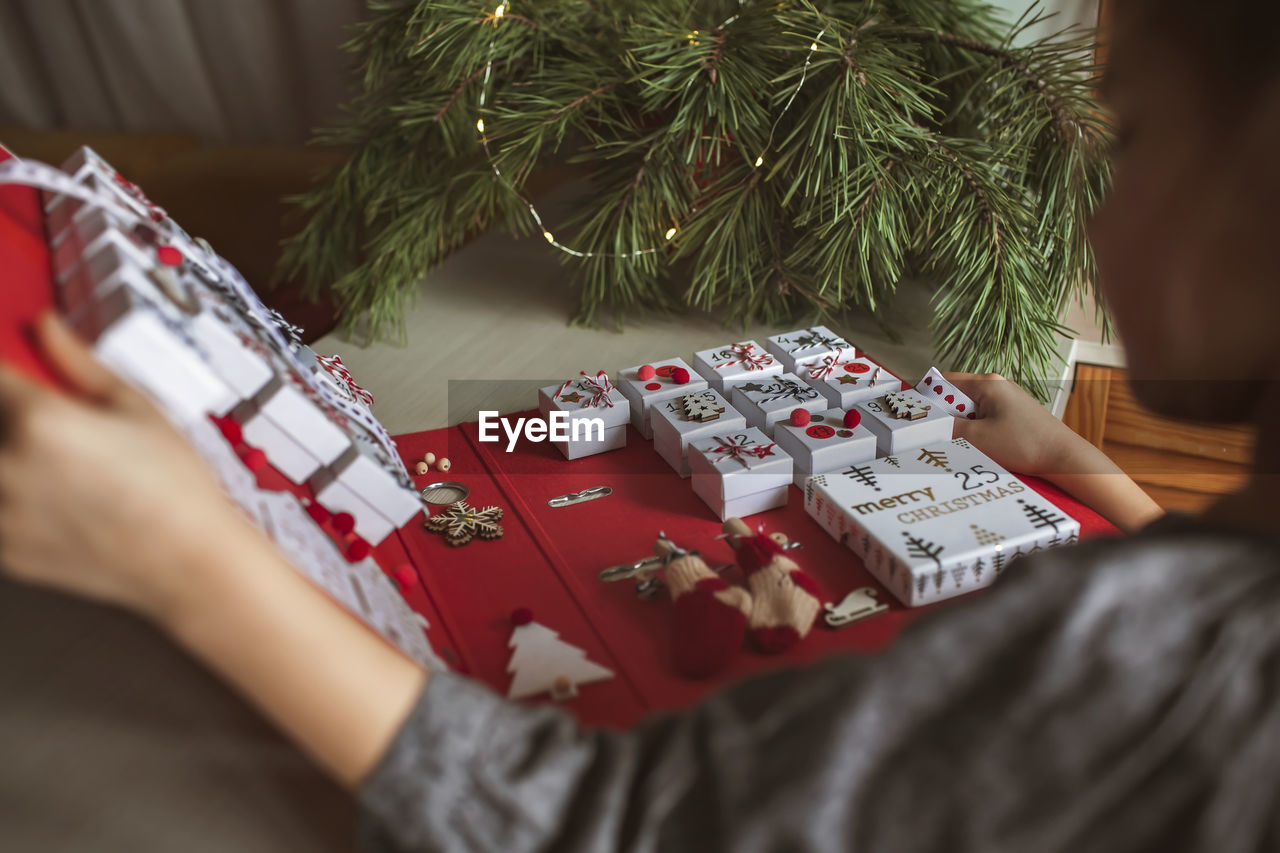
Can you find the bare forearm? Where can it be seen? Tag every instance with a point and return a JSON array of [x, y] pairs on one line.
[[1089, 475], [338, 690]]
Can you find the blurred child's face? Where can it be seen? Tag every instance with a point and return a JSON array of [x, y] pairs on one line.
[[1186, 242]]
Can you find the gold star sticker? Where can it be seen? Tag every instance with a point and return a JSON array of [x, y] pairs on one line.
[[571, 398], [847, 380]]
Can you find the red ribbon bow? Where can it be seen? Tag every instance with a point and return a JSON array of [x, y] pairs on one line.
[[740, 450], [827, 365], [598, 389], [748, 360], [335, 368]]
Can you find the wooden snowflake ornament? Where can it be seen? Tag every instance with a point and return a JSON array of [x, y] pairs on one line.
[[461, 523]]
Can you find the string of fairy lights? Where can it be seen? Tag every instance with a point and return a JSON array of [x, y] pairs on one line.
[[496, 19]]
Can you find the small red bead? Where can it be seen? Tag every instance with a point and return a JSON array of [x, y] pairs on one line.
[[318, 513], [358, 550], [344, 522], [169, 256], [680, 376], [521, 616], [852, 418], [646, 372], [405, 576], [254, 459], [231, 431], [800, 417]]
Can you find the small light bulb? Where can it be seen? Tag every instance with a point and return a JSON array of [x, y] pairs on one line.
[[549, 236], [671, 232], [500, 11], [480, 125], [813, 46], [759, 161]]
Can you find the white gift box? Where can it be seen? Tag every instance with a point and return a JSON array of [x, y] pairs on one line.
[[673, 429], [824, 444], [739, 473], [297, 437], [89, 234], [643, 393], [846, 380], [937, 521], [894, 434], [805, 345], [766, 401], [723, 367], [583, 400], [114, 267], [152, 353], [357, 484]]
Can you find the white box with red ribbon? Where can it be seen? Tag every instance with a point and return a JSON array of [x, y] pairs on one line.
[[740, 473], [726, 366], [697, 414], [845, 379], [595, 414]]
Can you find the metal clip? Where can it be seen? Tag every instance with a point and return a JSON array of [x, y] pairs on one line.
[[580, 497]]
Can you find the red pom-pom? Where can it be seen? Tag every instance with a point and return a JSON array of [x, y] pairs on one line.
[[318, 513], [231, 431], [646, 372], [405, 576], [852, 418], [169, 256], [680, 376], [254, 459], [344, 523], [358, 550], [521, 616], [800, 417]]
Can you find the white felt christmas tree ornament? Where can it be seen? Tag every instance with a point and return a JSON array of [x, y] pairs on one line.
[[543, 663]]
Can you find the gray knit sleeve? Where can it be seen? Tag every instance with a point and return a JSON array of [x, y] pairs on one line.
[[1095, 699]]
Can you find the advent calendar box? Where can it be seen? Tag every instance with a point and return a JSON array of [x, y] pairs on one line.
[[803, 346], [739, 473], [901, 420], [664, 384], [582, 400], [357, 483], [846, 379], [726, 366], [937, 521], [824, 444], [764, 402], [698, 414]]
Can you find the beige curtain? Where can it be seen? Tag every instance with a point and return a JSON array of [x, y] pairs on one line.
[[241, 71]]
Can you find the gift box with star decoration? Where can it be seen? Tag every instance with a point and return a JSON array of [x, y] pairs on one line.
[[935, 522], [803, 346], [764, 402], [597, 413], [739, 473], [901, 420], [845, 379], [825, 441], [697, 414]]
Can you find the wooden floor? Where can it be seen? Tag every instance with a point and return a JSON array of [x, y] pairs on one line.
[[1182, 466]]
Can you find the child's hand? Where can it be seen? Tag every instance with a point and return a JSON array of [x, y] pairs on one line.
[[1014, 429], [99, 495]]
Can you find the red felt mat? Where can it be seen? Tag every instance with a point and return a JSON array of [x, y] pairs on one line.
[[549, 560], [26, 276]]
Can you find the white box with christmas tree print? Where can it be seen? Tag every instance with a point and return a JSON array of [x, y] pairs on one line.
[[726, 366], [937, 521], [739, 473], [643, 393], [585, 398], [824, 444], [896, 429], [764, 402], [846, 379], [697, 414], [803, 346]]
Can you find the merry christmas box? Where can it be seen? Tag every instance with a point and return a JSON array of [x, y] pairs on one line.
[[937, 521], [764, 402], [846, 379], [802, 346], [726, 366], [901, 420], [596, 414], [663, 385], [824, 444], [698, 414], [739, 473]]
